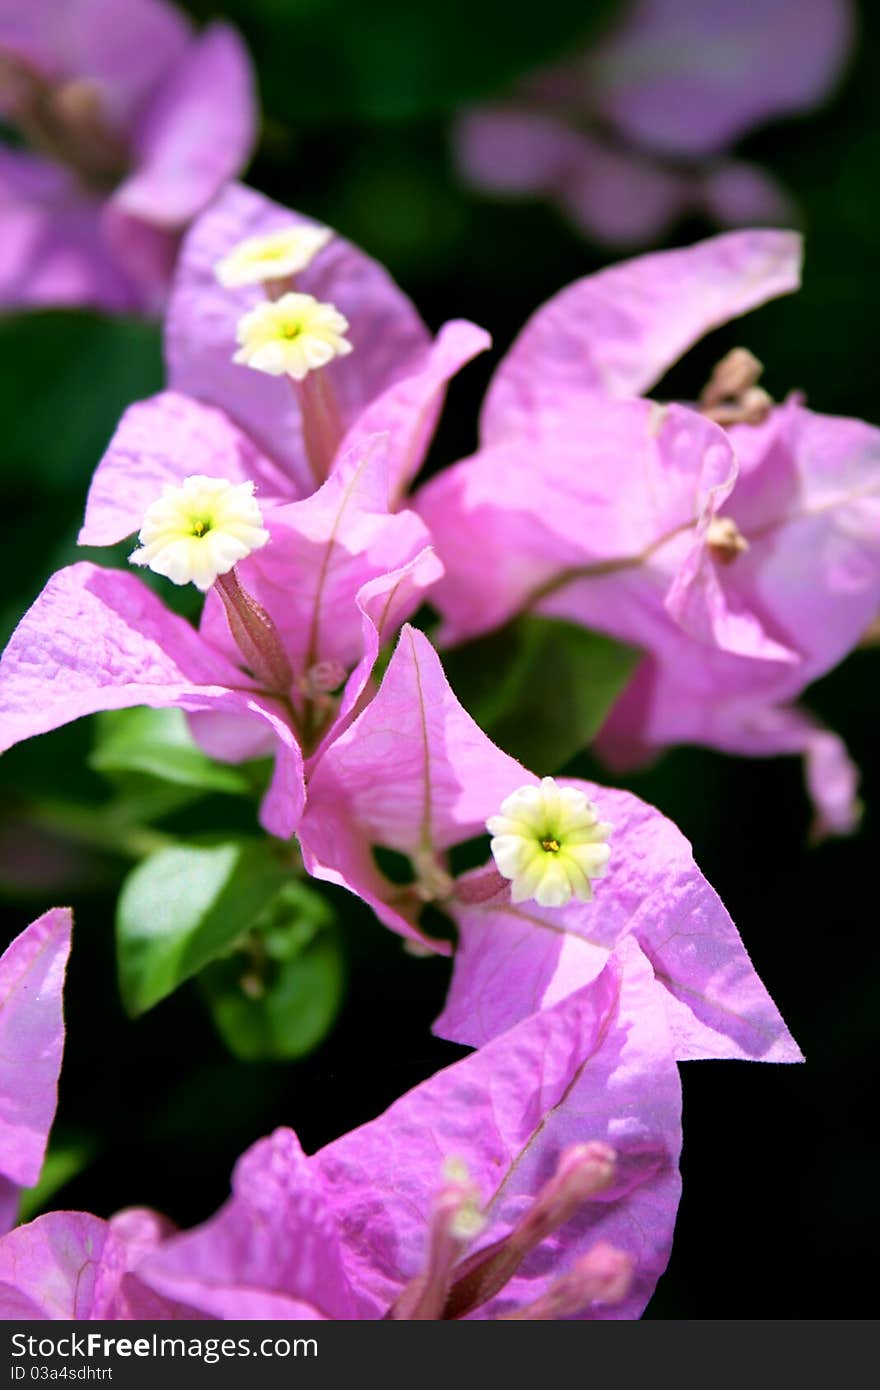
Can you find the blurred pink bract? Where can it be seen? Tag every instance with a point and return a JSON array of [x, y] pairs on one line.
[[635, 132]]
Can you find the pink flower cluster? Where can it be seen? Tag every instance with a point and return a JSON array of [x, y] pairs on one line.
[[131, 123], [636, 131], [734, 541]]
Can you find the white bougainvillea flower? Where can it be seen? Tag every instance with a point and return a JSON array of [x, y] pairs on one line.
[[216, 417], [198, 531], [273, 256], [551, 844], [291, 336]]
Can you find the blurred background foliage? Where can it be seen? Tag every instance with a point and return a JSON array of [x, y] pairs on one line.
[[780, 1210]]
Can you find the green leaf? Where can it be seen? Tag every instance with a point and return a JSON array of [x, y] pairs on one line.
[[540, 687], [393, 61], [67, 377], [185, 905], [277, 997], [65, 1160], [157, 742]]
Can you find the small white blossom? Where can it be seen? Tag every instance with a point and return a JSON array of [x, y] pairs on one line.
[[549, 841], [272, 257], [291, 336], [199, 530]]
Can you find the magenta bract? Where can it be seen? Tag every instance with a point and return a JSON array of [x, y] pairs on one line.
[[744, 561], [633, 134], [392, 381], [144, 121], [341, 1234], [415, 774], [31, 1043]]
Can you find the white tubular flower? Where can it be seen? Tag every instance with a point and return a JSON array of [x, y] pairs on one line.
[[550, 843], [291, 336], [271, 257], [198, 531]]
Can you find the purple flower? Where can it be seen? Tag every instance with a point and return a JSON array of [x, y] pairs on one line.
[[633, 134], [69, 1265], [537, 1178], [531, 1179], [391, 380], [222, 418], [31, 1043], [415, 774], [307, 612], [332, 578], [135, 122], [736, 542]]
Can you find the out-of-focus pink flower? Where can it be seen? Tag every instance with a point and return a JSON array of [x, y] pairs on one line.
[[134, 122], [633, 134], [736, 542], [416, 775], [536, 1178], [31, 1043]]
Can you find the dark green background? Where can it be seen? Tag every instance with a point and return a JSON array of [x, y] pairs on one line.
[[780, 1211]]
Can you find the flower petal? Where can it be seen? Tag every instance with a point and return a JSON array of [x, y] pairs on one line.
[[386, 331], [523, 523], [513, 960], [414, 771], [597, 1066], [196, 133], [137, 654], [54, 250], [126, 47], [688, 78], [31, 1042], [408, 410], [161, 441], [70, 1265], [272, 1251], [324, 550], [618, 331]]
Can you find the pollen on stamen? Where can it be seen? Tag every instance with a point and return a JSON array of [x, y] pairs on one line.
[[725, 539], [549, 842], [291, 336], [195, 532], [467, 1218], [276, 256], [455, 1169]]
